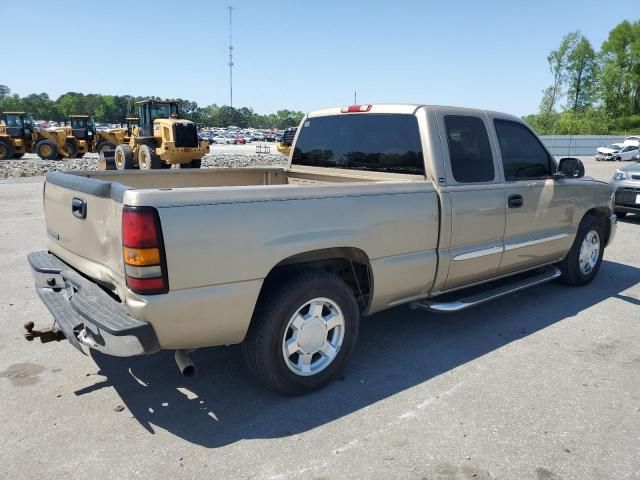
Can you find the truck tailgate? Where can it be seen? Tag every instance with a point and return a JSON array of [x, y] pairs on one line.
[[83, 227]]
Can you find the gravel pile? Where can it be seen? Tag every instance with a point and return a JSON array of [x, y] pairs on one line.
[[32, 166]]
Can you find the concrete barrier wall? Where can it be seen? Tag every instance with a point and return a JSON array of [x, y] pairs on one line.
[[579, 145]]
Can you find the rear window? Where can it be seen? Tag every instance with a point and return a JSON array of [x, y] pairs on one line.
[[376, 142]]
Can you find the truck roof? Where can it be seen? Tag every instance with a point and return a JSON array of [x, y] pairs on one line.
[[397, 108], [14, 113], [78, 116]]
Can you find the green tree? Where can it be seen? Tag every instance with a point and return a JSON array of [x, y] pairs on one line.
[[621, 51], [581, 74], [4, 92], [558, 60]]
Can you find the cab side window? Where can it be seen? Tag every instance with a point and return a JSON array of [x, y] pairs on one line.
[[469, 149], [523, 156]]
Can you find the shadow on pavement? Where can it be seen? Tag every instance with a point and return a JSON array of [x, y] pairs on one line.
[[397, 350]]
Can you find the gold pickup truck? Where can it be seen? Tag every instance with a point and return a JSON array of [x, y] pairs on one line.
[[440, 208]]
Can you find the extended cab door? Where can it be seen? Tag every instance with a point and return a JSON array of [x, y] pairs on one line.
[[476, 193], [540, 210]]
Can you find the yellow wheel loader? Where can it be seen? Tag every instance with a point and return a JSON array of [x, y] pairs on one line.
[[19, 135], [284, 145], [161, 139], [83, 137]]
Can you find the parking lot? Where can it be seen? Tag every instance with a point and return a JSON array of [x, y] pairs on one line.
[[542, 385]]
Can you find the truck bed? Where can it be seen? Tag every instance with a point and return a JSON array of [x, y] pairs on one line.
[[233, 177], [221, 219]]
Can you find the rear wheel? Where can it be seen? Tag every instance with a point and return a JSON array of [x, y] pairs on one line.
[[123, 157], [302, 332], [47, 150], [6, 150], [621, 214], [148, 159], [105, 147], [583, 261]]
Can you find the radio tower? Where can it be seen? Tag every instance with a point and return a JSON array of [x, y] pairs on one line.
[[230, 56]]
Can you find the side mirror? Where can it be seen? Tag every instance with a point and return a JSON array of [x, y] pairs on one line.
[[570, 168]]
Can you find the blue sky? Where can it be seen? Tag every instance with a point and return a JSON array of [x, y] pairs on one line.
[[297, 54]]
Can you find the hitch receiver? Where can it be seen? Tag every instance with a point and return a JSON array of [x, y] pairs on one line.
[[46, 335]]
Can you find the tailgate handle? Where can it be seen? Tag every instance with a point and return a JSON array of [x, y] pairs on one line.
[[79, 208]]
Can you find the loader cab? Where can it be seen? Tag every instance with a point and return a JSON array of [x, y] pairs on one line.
[[150, 110], [132, 122], [19, 124], [82, 126]]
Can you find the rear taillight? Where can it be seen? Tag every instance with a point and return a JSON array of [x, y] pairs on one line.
[[356, 109], [145, 265]]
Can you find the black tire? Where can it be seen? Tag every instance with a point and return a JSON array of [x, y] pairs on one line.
[[621, 214], [105, 146], [70, 149], [263, 348], [197, 163], [123, 157], [6, 150], [47, 150], [572, 274], [148, 159]]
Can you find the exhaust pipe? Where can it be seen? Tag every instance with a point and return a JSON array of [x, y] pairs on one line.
[[185, 364]]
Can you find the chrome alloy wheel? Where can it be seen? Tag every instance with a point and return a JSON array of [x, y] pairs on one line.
[[313, 337], [589, 252]]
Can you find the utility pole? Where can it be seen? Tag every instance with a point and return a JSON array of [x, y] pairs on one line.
[[355, 97], [230, 56]]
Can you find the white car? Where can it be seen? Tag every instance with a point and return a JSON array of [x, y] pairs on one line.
[[221, 139], [617, 151], [632, 140]]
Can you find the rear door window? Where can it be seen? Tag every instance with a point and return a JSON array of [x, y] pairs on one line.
[[375, 142], [469, 149], [523, 156]]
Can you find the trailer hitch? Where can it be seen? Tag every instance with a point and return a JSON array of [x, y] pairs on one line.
[[46, 335]]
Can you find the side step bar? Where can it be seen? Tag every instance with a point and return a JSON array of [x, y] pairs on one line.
[[546, 275]]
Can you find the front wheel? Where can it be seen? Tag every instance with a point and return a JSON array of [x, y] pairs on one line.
[[47, 150], [70, 149], [148, 159], [583, 261], [302, 332]]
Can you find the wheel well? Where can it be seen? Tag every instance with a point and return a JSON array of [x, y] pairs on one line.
[[602, 214], [350, 264]]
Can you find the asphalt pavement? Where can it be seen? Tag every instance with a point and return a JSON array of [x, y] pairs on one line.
[[542, 385]]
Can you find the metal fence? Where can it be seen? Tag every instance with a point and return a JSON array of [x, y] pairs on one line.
[[578, 145]]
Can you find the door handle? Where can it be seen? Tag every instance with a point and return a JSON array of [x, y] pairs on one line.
[[515, 201], [79, 208]]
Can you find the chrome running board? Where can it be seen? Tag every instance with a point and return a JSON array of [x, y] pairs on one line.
[[545, 275]]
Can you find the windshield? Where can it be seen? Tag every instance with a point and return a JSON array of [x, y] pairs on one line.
[[14, 121], [78, 123], [163, 110], [376, 142]]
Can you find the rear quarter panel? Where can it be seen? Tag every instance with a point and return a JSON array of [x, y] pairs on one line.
[[231, 237]]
